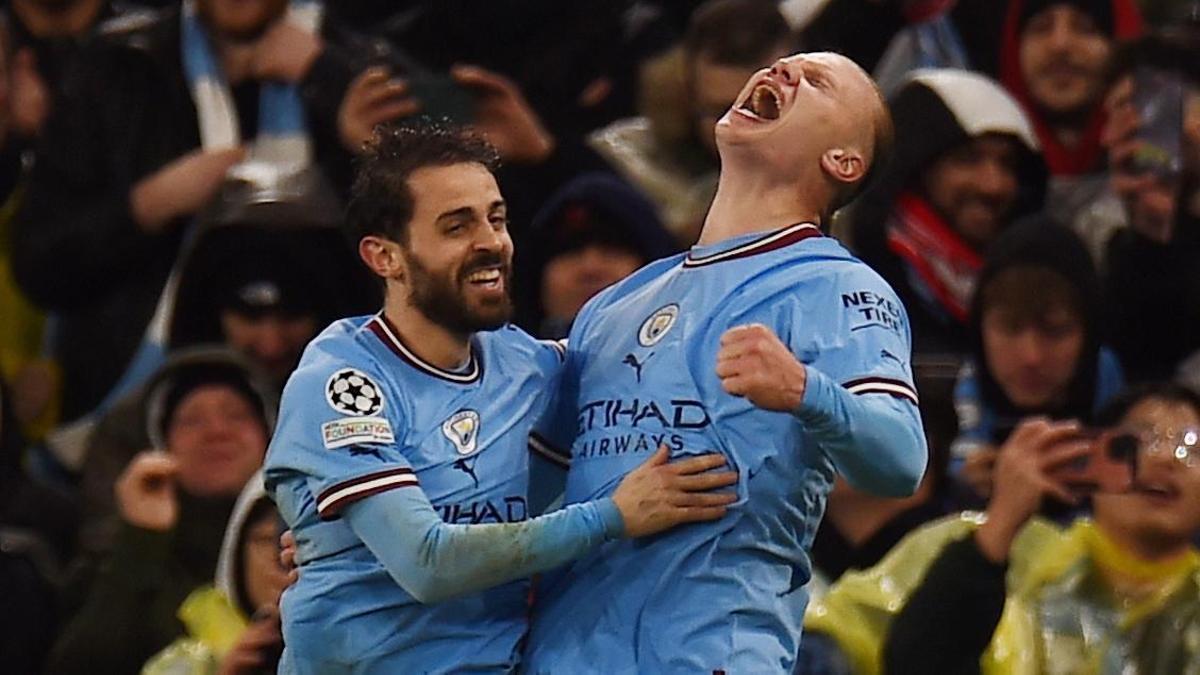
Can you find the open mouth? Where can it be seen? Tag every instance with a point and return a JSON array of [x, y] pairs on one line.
[[763, 102], [488, 278]]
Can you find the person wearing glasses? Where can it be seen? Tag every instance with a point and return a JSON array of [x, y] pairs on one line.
[[1009, 592]]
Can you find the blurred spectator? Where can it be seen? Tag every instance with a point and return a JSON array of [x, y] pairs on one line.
[[45, 37], [1121, 593], [1152, 282], [1011, 593], [1054, 57], [37, 525], [670, 153], [965, 166], [233, 625], [592, 233], [860, 528], [22, 362], [125, 431], [209, 422], [1035, 321], [150, 124]]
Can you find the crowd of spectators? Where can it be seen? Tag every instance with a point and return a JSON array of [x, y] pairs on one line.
[[172, 180]]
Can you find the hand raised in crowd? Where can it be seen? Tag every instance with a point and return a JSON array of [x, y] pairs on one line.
[[374, 97], [1025, 472], [285, 53], [977, 470], [146, 492], [753, 363], [504, 116], [182, 187], [1152, 200], [659, 495], [29, 96], [257, 647]]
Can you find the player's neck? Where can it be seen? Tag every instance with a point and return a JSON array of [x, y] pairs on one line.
[[430, 341], [749, 202]]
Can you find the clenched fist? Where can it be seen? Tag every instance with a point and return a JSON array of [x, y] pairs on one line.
[[753, 363], [145, 492]]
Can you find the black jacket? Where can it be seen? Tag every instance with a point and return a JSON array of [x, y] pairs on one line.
[[125, 112]]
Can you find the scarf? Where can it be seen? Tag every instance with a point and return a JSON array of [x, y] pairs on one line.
[[941, 266]]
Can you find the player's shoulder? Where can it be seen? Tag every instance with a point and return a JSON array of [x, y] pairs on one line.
[[514, 345], [339, 351], [827, 260], [629, 285]]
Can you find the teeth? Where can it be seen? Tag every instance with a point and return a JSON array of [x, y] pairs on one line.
[[764, 102], [483, 276]]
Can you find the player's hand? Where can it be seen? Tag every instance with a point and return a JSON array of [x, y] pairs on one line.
[[257, 647], [374, 97], [1024, 474], [753, 363], [145, 492], [504, 116], [977, 470], [182, 187], [287, 556], [659, 495]]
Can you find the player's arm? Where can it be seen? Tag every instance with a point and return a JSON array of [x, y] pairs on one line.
[[433, 560], [873, 437]]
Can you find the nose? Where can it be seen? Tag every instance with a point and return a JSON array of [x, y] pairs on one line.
[[1029, 349], [994, 180], [1060, 33], [786, 71], [489, 239], [270, 343]]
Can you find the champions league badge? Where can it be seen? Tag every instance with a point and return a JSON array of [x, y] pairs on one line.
[[463, 431], [351, 392], [654, 328]]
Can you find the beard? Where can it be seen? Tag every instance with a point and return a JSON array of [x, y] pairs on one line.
[[443, 298]]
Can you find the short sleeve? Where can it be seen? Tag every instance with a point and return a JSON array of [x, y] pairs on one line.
[[858, 334], [337, 432]]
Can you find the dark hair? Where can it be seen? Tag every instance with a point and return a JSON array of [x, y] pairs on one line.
[[262, 509], [736, 32], [381, 202], [1166, 391]]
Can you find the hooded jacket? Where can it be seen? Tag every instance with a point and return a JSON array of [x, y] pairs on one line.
[[214, 615], [594, 207], [142, 576], [934, 112], [986, 415]]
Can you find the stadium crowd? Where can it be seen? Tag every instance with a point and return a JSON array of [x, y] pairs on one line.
[[172, 180]]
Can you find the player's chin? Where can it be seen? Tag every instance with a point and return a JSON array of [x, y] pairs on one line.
[[491, 315]]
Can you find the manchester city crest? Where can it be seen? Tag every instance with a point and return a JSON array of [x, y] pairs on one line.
[[462, 428], [656, 326]]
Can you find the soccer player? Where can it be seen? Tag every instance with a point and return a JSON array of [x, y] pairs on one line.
[[400, 460], [812, 378]]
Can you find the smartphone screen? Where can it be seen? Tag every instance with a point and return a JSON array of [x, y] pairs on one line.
[[1158, 97], [1109, 467]]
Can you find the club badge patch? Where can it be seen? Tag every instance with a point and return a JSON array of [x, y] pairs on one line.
[[463, 431], [351, 392], [355, 431], [656, 326]]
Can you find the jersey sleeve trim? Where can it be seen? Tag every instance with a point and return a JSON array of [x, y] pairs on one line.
[[335, 498], [545, 449], [882, 385]]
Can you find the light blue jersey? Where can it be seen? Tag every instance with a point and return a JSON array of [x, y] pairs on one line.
[[362, 416], [727, 595]]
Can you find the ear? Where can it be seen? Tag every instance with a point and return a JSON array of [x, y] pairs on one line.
[[844, 165], [383, 257]]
